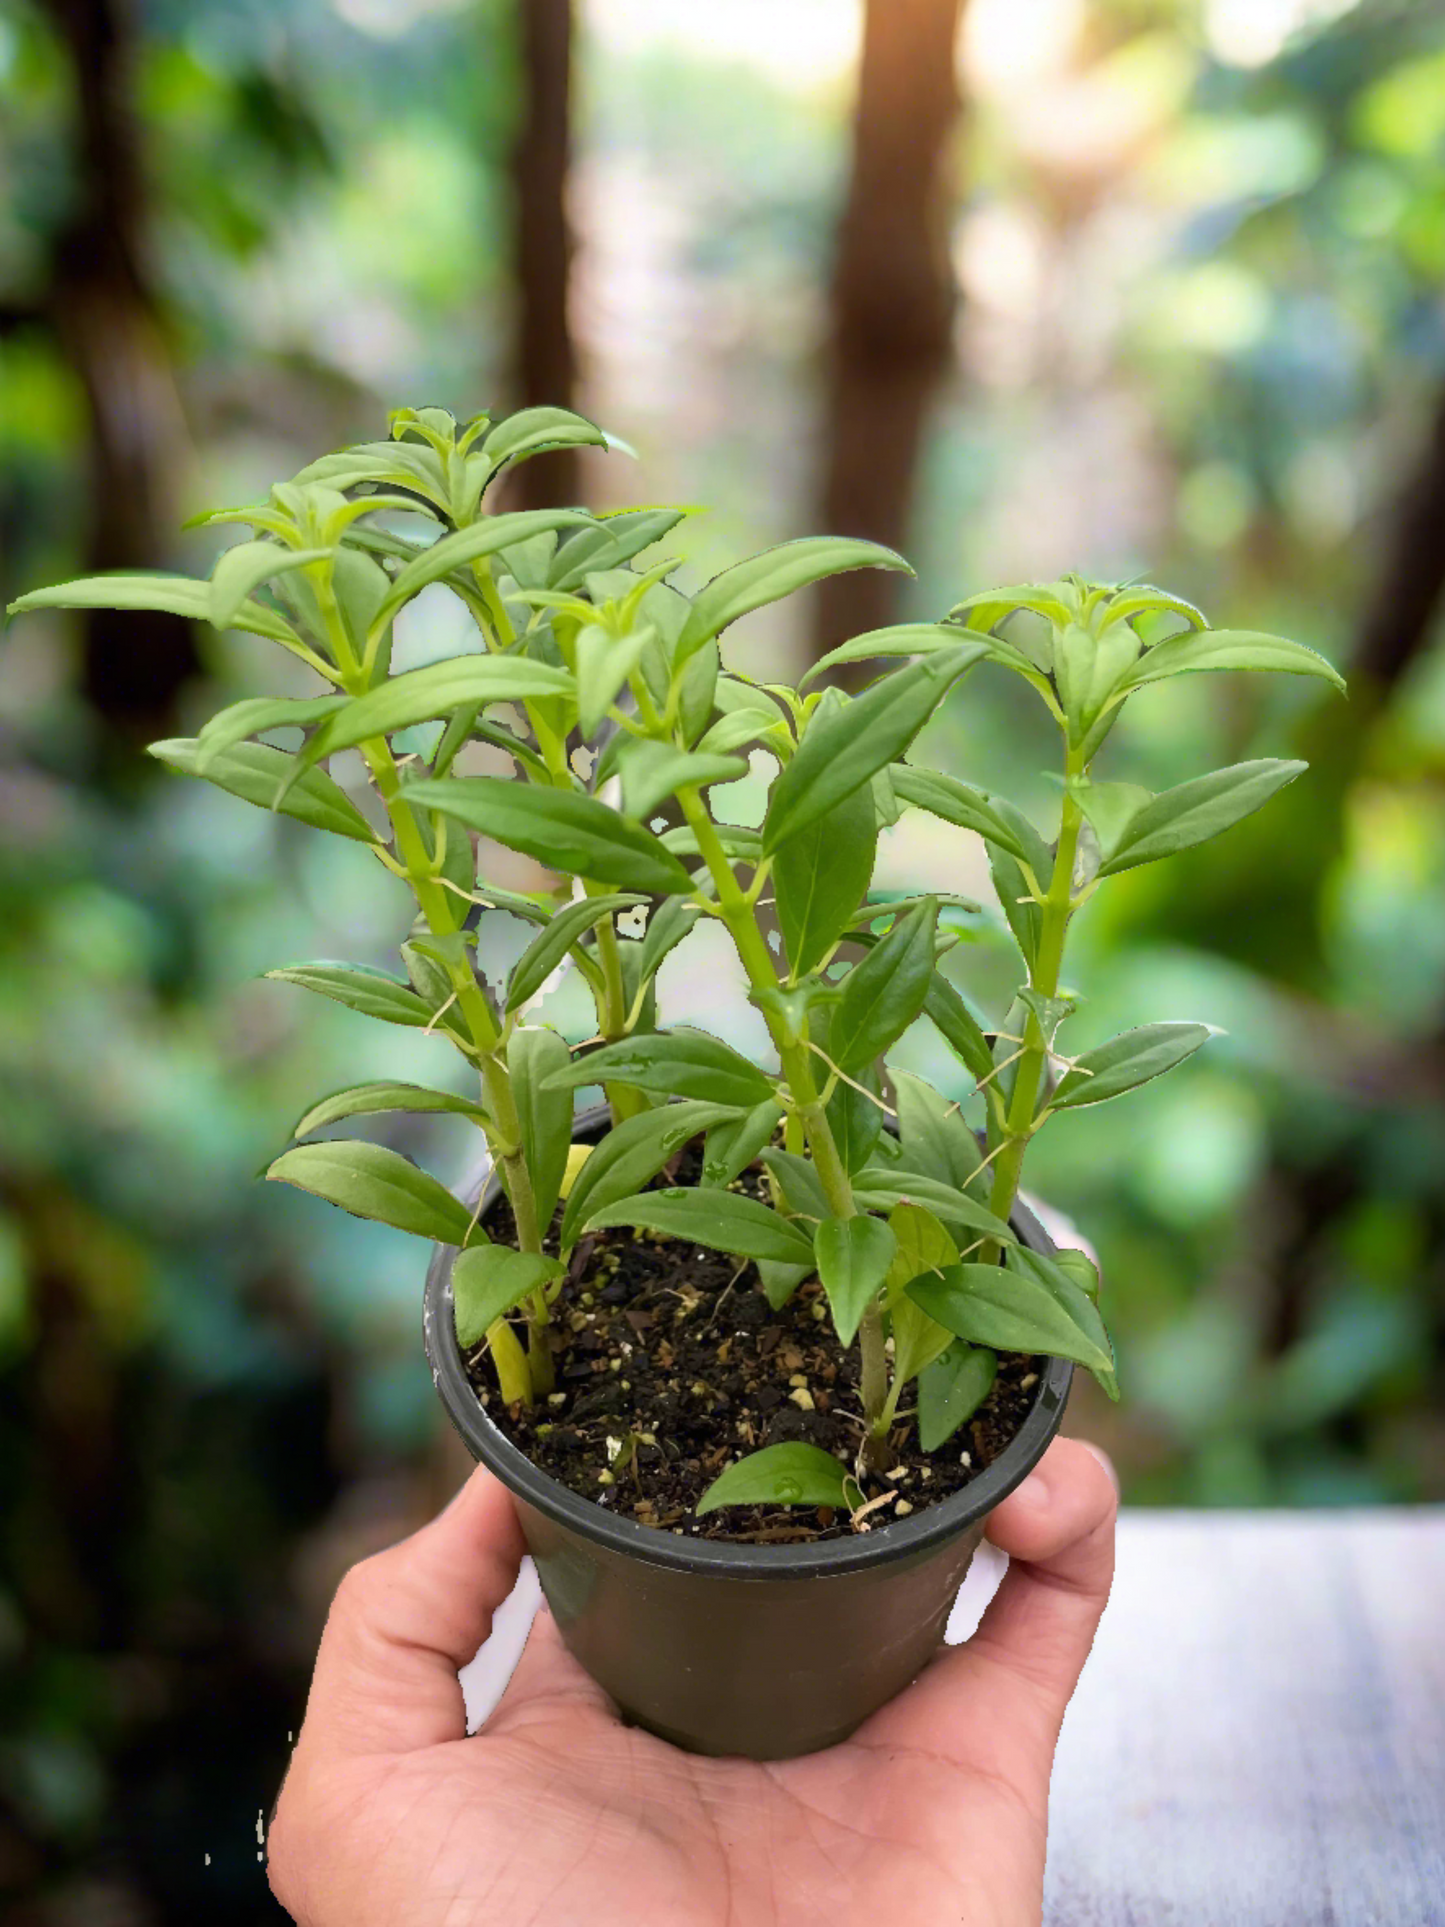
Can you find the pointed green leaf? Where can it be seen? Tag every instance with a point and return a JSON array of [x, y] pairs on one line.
[[776, 573], [840, 754], [371, 992], [856, 1120], [256, 773], [917, 1339], [958, 1027], [923, 1245], [936, 1140], [175, 595], [1195, 811], [1228, 649], [678, 1063], [954, 802], [613, 540], [257, 713], [561, 828], [568, 927], [653, 771], [241, 570], [424, 695], [534, 1056], [799, 1184], [1018, 903], [1127, 1061], [490, 1280], [881, 1190], [364, 1100], [739, 728], [372, 1182], [721, 1220], [1110, 808], [781, 1281], [469, 545], [632, 1153], [532, 429], [885, 992], [904, 639], [669, 923], [793, 1473], [733, 1144], [951, 1391], [1012, 1311], [853, 1256], [821, 876]]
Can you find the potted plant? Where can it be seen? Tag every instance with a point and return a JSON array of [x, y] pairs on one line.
[[756, 1346]]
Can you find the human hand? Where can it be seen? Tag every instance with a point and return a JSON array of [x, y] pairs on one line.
[[556, 1813]]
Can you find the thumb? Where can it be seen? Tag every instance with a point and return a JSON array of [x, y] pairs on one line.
[[404, 1622]]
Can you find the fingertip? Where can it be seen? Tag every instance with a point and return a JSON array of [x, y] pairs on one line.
[[1070, 1493]]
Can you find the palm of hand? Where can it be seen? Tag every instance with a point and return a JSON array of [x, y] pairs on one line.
[[556, 1813]]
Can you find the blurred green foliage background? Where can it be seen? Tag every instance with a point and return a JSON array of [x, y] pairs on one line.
[[1187, 265]]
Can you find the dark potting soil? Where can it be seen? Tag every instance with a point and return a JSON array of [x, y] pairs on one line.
[[671, 1363]]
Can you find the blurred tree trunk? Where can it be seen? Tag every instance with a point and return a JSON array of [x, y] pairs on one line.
[[106, 320], [892, 295], [544, 357], [1410, 586]]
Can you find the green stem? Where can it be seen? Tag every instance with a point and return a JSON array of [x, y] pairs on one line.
[[797, 1067], [1019, 1118]]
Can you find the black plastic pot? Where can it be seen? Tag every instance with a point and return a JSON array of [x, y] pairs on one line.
[[764, 1651]]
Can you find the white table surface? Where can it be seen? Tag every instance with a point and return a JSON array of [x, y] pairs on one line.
[[1259, 1737]]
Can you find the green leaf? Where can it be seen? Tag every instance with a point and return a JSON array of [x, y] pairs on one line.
[[954, 802], [781, 1281], [839, 754], [917, 1340], [679, 1063], [853, 1256], [604, 662], [885, 992], [632, 1153], [1126, 1061], [1012, 1311], [256, 713], [568, 927], [923, 1245], [532, 429], [1081, 1268], [821, 876], [776, 573], [1025, 917], [560, 828], [951, 1391], [240, 570], [1228, 649], [881, 1190], [958, 1027], [363, 1100], [936, 1140], [696, 687], [174, 595], [490, 1280], [904, 639], [653, 771], [1110, 808], [740, 727], [534, 1056], [1195, 811], [469, 545], [255, 773], [372, 1182], [855, 1121], [669, 923], [424, 695], [614, 540], [371, 992], [793, 1473], [721, 1220], [798, 1181], [733, 1144]]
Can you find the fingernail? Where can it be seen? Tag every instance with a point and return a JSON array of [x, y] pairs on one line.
[[1102, 1456]]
